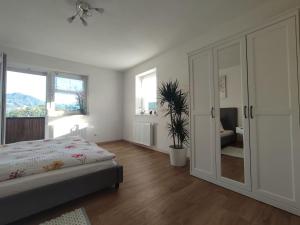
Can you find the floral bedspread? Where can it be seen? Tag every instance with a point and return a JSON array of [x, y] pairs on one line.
[[33, 157]]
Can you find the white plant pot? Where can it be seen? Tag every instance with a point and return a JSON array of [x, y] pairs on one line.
[[178, 157]]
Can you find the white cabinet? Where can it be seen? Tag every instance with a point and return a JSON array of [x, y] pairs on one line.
[[203, 124], [232, 112], [274, 102], [267, 113]]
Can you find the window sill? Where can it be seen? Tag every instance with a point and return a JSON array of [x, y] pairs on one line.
[[63, 113]]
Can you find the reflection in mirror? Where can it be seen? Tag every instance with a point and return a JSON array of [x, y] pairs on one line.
[[231, 113]]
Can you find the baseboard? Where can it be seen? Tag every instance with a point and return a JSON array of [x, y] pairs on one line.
[[109, 142], [147, 147], [154, 148], [132, 143]]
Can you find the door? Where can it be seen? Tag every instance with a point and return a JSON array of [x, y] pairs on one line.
[[202, 115], [25, 106], [2, 96], [274, 112], [232, 122]]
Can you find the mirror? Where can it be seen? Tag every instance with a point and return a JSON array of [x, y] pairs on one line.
[[231, 113]]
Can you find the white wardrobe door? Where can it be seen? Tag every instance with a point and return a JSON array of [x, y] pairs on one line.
[[273, 86], [225, 55], [202, 121]]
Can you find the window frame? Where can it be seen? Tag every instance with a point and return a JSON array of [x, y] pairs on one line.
[[51, 89], [139, 105], [83, 78], [30, 72]]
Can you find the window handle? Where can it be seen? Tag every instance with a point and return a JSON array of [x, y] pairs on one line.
[[212, 112], [251, 112], [245, 112]]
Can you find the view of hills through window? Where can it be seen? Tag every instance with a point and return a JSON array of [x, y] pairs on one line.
[[25, 95]]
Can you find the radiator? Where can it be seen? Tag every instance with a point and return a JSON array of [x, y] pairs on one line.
[[143, 133]]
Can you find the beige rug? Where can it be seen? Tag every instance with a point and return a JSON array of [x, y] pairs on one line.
[[76, 217], [233, 151]]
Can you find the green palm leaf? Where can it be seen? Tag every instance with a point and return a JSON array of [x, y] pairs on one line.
[[175, 104]]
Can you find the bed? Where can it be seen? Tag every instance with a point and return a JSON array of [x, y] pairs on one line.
[[229, 122], [38, 175]]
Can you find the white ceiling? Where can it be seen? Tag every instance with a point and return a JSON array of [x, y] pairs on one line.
[[129, 31]]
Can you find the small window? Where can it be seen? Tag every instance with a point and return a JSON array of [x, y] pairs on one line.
[[70, 94], [146, 92]]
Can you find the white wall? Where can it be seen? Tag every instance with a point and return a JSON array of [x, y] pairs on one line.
[[105, 105], [173, 64]]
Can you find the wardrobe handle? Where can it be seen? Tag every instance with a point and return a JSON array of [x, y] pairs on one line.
[[245, 112], [251, 112], [212, 112]]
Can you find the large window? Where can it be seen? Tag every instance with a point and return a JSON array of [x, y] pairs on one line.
[[146, 92], [31, 94], [70, 93], [25, 94]]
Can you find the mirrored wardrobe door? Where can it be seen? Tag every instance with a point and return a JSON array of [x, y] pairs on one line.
[[232, 123]]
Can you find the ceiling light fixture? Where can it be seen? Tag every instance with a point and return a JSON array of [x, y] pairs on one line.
[[83, 11]]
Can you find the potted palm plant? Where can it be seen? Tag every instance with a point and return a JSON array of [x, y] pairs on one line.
[[174, 102]]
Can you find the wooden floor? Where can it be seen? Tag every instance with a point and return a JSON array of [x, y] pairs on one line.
[[232, 168], [155, 193]]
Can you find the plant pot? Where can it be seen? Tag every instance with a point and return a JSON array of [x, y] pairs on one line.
[[178, 156]]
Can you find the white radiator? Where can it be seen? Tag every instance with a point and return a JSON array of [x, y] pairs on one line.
[[143, 133]]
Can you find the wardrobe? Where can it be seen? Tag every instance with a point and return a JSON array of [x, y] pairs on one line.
[[244, 117]]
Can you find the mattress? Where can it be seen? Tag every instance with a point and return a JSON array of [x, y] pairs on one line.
[[27, 158], [226, 133], [11, 187]]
